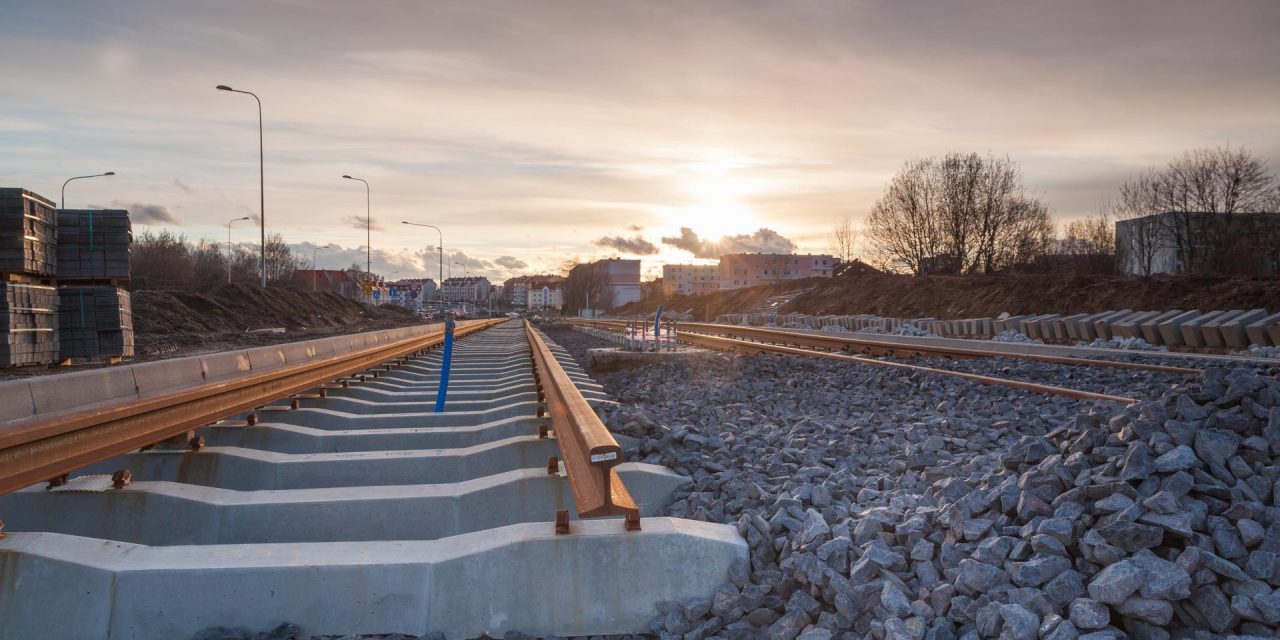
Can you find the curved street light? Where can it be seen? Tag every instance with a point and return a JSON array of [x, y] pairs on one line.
[[315, 269], [440, 247], [262, 190], [63, 203], [229, 244], [368, 230]]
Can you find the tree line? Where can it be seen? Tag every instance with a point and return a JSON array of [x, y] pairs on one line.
[[965, 213], [167, 260]]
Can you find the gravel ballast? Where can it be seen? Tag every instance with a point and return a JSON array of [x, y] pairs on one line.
[[900, 505]]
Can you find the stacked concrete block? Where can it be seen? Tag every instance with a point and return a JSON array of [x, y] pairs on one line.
[[1234, 332], [95, 322], [1044, 326], [93, 245], [1102, 324], [1193, 332], [1130, 327], [1258, 331], [1171, 329], [28, 324], [1085, 327], [28, 234], [1210, 335], [1150, 327]]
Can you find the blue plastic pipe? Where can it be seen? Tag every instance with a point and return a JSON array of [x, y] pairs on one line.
[[443, 389]]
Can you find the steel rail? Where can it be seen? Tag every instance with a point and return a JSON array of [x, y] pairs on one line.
[[734, 344], [872, 346], [808, 339], [589, 451], [42, 448]]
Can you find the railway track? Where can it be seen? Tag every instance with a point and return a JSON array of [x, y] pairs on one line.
[[316, 485], [872, 351]]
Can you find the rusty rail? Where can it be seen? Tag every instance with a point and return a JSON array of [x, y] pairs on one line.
[[589, 452], [42, 448], [873, 346], [877, 347], [734, 344]]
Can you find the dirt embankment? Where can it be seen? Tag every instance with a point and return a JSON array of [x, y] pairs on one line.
[[978, 296], [169, 323], [243, 308]]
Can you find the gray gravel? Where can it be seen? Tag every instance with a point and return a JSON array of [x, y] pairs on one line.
[[885, 504]]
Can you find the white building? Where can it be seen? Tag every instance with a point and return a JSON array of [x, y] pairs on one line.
[[690, 279], [548, 296], [1178, 242], [473, 289], [623, 278], [741, 270]]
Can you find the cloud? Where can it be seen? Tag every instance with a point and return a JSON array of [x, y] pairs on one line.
[[147, 213], [360, 222], [465, 261], [635, 246], [761, 241], [510, 262], [635, 227], [182, 186]]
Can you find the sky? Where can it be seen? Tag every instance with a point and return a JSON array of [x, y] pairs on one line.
[[536, 132]]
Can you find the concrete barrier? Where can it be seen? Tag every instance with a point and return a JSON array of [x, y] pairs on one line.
[[1130, 327], [1151, 326], [1257, 331], [1232, 332], [81, 390], [1192, 334], [1102, 325], [1211, 332], [1171, 329]]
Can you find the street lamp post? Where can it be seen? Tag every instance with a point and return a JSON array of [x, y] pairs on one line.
[[440, 247], [64, 185], [229, 244], [315, 268], [262, 189], [368, 229]]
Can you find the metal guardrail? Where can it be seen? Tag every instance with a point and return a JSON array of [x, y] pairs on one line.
[[45, 448], [589, 452]]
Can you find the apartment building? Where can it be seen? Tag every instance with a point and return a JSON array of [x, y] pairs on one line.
[[741, 270], [690, 279]]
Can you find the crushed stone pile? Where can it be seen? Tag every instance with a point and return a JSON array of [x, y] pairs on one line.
[[901, 506]]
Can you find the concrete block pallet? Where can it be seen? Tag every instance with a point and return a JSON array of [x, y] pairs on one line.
[[93, 245], [94, 322], [28, 233], [28, 324]]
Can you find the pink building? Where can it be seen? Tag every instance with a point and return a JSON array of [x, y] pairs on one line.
[[741, 270]]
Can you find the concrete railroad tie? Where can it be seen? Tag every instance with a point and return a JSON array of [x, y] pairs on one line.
[[363, 512]]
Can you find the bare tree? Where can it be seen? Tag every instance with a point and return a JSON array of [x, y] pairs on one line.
[[1090, 243], [963, 213], [1205, 195], [281, 263], [843, 240], [586, 284], [159, 260]]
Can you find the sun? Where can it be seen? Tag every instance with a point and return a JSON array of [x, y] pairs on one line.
[[718, 196]]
